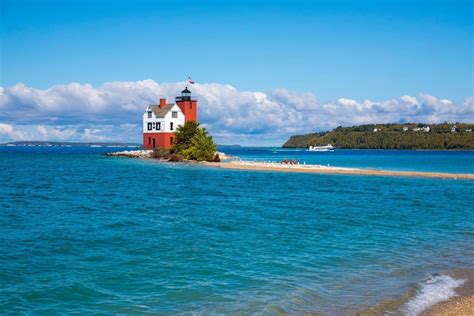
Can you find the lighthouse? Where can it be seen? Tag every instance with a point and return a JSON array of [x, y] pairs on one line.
[[160, 121], [187, 105]]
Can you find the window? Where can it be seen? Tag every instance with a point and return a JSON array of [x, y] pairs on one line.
[[171, 140], [149, 141], [149, 114], [158, 126], [171, 126], [174, 114], [149, 126], [190, 106]]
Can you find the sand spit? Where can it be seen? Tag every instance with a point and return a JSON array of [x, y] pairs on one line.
[[295, 167], [271, 166]]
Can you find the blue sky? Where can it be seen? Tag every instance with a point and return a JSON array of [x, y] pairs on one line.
[[358, 50]]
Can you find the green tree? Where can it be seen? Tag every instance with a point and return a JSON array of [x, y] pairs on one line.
[[184, 134], [202, 147]]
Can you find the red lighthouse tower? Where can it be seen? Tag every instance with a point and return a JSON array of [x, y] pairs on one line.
[[187, 105]]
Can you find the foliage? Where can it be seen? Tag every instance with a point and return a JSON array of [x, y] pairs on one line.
[[390, 136], [184, 134], [175, 158], [193, 143], [160, 153], [202, 147]]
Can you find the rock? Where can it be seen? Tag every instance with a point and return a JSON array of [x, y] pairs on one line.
[[223, 156], [131, 154]]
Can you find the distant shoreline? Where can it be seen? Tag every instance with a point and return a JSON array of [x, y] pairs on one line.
[[408, 136], [40, 143], [139, 146]]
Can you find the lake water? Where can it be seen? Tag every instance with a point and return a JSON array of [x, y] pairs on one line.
[[93, 234]]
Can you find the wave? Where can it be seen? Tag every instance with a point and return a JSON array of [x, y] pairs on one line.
[[435, 289]]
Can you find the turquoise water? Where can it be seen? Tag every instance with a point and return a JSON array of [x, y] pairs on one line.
[[92, 234]]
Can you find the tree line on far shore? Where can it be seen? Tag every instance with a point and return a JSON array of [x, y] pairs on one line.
[[192, 143], [391, 136]]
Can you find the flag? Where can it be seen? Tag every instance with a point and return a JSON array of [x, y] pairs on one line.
[[190, 80]]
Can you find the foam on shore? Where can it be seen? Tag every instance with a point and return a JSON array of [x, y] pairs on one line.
[[435, 289]]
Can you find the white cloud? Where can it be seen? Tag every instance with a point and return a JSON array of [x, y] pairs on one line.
[[113, 111], [7, 131], [58, 133]]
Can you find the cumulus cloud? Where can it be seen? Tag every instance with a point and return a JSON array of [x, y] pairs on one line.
[[113, 111], [7, 131]]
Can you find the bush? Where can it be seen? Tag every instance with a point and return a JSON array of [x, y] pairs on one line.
[[202, 147], [175, 158], [193, 143], [160, 153], [184, 134]]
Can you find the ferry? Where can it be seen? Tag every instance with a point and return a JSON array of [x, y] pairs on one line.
[[328, 147]]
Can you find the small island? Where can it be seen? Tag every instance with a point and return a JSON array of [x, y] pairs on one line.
[[192, 143], [444, 136]]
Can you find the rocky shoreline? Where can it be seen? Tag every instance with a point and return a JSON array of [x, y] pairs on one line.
[[143, 153], [131, 154]]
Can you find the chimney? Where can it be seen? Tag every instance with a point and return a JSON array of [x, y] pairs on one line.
[[162, 103]]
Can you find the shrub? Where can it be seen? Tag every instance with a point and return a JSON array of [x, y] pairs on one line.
[[160, 153], [175, 158], [184, 134], [202, 147], [193, 143]]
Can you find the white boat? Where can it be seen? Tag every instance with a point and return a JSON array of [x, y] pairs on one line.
[[328, 147]]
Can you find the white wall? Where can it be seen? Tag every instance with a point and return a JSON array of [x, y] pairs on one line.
[[165, 122]]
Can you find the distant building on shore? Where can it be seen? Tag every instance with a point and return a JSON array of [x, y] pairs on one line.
[[160, 121], [425, 129]]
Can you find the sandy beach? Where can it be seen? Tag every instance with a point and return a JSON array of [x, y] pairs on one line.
[[458, 306], [273, 166]]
